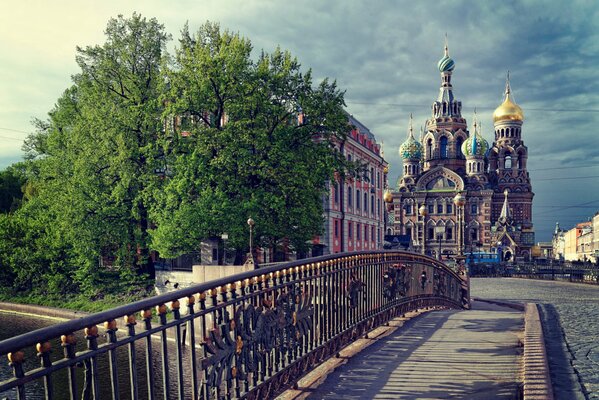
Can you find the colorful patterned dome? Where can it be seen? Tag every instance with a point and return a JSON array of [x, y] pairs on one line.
[[508, 110], [446, 64], [411, 149], [475, 145]]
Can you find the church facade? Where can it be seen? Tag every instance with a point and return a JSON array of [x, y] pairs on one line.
[[457, 194]]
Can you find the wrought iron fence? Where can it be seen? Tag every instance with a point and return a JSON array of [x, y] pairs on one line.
[[246, 336]]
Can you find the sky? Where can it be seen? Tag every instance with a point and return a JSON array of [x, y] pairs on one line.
[[383, 53]]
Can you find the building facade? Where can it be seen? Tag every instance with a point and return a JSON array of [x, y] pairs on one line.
[[354, 209], [458, 194]]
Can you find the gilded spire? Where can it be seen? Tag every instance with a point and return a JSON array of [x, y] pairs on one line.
[[508, 110], [446, 47], [410, 129], [505, 209]]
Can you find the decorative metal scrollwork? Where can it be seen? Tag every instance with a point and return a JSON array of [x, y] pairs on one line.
[[396, 281], [438, 283], [221, 347], [355, 287]]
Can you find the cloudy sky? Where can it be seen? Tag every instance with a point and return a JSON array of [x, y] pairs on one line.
[[383, 53]]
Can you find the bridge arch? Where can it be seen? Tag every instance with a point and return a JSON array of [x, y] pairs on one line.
[[252, 334]]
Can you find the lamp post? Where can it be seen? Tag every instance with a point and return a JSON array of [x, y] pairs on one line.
[[224, 237], [423, 212], [250, 258], [459, 200], [439, 232]]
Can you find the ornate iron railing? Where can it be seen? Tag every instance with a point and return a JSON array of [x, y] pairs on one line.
[[246, 336]]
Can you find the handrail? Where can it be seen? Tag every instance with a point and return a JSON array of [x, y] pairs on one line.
[[267, 325]]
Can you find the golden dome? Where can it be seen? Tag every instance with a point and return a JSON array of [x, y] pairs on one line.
[[508, 110], [387, 196]]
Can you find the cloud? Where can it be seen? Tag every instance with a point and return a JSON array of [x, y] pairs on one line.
[[383, 53]]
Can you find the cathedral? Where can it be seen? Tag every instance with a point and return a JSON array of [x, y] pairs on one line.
[[457, 194]]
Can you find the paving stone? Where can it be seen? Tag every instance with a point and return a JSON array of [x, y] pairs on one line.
[[570, 315]]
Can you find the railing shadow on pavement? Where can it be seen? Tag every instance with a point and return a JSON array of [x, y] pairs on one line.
[[250, 335], [375, 374]]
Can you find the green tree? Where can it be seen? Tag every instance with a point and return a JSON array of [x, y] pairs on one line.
[[249, 138], [97, 156], [12, 182]]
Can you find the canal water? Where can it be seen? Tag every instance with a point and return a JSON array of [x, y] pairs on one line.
[[12, 324], [570, 314]]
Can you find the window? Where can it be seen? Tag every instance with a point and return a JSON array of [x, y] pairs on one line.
[[443, 147], [409, 231], [474, 209], [365, 202], [408, 209], [449, 233], [378, 207], [431, 233], [378, 179], [336, 193], [449, 208], [474, 234], [372, 204], [350, 231], [372, 233], [349, 196], [508, 161], [357, 199], [439, 208], [429, 148], [431, 208], [366, 232]]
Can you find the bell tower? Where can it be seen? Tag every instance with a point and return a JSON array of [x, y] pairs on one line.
[[446, 130]]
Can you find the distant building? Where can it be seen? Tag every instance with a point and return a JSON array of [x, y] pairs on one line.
[[578, 243], [354, 210], [456, 190]]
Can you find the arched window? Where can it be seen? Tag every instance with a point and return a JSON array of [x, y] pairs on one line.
[[508, 161], [429, 149], [349, 196], [443, 147]]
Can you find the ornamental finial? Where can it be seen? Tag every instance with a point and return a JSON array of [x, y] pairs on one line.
[[446, 47], [410, 130], [508, 90]]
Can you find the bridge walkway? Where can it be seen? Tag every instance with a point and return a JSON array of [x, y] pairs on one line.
[[472, 354]]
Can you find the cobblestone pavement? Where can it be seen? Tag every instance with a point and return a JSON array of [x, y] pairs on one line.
[[569, 311], [446, 354]]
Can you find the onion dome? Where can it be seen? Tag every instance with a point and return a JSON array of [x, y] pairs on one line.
[[411, 148], [459, 200], [387, 196], [475, 145], [446, 64], [508, 110]]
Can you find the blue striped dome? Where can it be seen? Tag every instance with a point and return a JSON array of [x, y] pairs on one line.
[[475, 145], [446, 64], [410, 149]]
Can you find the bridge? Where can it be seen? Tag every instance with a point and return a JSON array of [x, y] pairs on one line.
[[251, 335]]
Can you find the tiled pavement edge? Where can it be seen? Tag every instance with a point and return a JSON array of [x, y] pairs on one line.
[[536, 376]]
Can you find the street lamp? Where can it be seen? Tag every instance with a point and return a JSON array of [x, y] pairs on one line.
[[439, 232], [423, 212], [251, 224], [459, 200], [224, 237]]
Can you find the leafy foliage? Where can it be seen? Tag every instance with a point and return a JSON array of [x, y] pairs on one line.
[[251, 138], [149, 153]]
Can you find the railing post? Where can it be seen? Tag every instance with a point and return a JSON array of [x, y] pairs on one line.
[[43, 352]]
